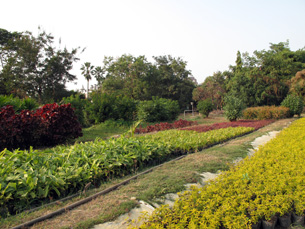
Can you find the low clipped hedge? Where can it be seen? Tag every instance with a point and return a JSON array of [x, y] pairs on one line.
[[266, 112], [267, 188]]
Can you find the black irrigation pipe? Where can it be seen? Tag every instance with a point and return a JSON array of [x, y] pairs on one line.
[[105, 191], [83, 201]]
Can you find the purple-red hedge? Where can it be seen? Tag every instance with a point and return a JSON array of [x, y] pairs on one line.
[[47, 126], [165, 126], [244, 123]]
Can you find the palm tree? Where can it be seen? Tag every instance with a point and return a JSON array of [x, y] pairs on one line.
[[87, 69]]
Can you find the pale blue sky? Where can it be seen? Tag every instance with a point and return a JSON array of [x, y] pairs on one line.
[[206, 34]]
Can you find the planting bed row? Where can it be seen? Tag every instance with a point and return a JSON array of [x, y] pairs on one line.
[[265, 190], [165, 126], [29, 177], [246, 123]]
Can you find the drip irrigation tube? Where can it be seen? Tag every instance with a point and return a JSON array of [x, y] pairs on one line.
[[87, 199]]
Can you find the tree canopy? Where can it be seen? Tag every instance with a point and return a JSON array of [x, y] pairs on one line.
[[265, 78], [33, 66], [139, 79]]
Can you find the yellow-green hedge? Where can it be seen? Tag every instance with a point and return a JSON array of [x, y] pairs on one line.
[[266, 112], [272, 182]]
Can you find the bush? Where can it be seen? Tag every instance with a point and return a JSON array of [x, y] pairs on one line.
[[266, 112], [50, 125], [81, 106], [205, 107], [60, 122], [158, 110], [105, 106], [294, 103], [18, 104], [233, 108]]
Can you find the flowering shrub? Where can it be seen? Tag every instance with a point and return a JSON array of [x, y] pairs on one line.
[[266, 186], [266, 112], [165, 126], [50, 125], [245, 123]]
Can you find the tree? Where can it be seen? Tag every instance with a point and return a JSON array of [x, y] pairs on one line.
[[264, 78], [87, 71], [99, 75], [212, 88], [139, 79], [32, 66], [297, 84], [205, 107]]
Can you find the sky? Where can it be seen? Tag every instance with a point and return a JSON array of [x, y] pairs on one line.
[[205, 33]]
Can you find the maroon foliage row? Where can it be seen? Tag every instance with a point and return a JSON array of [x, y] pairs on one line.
[[245, 123], [165, 126], [47, 126]]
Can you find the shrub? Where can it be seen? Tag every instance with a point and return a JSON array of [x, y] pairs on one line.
[[266, 112], [18, 104], [19, 130], [81, 106], [233, 108], [50, 125], [60, 122], [205, 107], [158, 110], [294, 103], [268, 185], [105, 106]]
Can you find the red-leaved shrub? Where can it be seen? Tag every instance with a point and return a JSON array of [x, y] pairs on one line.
[[50, 125], [61, 123]]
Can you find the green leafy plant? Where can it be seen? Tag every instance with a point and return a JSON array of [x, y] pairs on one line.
[[233, 107], [294, 103], [158, 110], [205, 107]]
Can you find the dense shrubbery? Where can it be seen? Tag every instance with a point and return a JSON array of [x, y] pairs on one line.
[[205, 107], [80, 105], [294, 103], [18, 104], [164, 126], [50, 125], [266, 112], [158, 110], [269, 186], [105, 106], [233, 108]]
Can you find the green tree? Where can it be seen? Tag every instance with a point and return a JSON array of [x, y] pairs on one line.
[[87, 72], [212, 88], [294, 103], [233, 108], [263, 79], [205, 107], [98, 73], [32, 66]]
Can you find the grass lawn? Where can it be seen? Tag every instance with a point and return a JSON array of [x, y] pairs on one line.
[[166, 179]]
